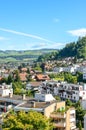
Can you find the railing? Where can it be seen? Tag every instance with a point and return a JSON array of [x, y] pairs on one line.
[[60, 124], [58, 115], [73, 125]]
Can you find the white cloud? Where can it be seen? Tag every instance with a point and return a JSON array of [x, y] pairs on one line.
[[78, 32], [25, 34], [47, 45]]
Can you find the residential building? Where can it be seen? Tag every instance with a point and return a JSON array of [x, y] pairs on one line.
[[44, 103], [23, 76], [64, 119], [42, 77], [5, 90], [74, 92]]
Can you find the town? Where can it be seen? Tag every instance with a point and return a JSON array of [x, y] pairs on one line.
[[59, 93], [42, 65]]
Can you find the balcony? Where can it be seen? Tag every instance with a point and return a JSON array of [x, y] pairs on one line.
[[73, 125], [58, 115], [60, 124]]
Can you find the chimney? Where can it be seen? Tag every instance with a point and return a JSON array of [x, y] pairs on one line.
[[10, 95], [23, 97], [33, 104]]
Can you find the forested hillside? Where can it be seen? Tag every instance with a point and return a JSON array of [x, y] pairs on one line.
[[73, 49]]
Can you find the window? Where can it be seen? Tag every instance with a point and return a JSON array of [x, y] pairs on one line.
[[74, 97]]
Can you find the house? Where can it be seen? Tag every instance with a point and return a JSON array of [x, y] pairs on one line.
[[42, 77], [24, 69], [58, 69], [6, 90], [23, 76], [33, 85]]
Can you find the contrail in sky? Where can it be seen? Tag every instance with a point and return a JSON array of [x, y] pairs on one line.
[[25, 34]]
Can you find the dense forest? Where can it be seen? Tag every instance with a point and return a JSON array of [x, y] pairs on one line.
[[73, 49]]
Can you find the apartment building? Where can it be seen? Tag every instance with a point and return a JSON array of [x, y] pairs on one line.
[[46, 104], [49, 87], [64, 90], [64, 120], [74, 92]]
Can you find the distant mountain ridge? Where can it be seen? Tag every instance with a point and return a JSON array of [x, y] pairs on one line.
[[22, 55]]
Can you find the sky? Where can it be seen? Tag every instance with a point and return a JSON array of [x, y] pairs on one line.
[[37, 24]]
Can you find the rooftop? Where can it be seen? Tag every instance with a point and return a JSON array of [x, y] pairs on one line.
[[35, 104]]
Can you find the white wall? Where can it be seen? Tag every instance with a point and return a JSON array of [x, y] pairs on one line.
[[44, 97]]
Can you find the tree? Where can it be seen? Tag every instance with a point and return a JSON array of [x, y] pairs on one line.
[[80, 125], [68, 102], [17, 87], [80, 112], [79, 76], [16, 76], [9, 79], [28, 70], [30, 121]]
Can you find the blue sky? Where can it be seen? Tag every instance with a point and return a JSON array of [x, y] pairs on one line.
[[35, 24]]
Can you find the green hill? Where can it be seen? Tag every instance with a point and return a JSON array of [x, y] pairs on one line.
[[74, 49], [27, 55]]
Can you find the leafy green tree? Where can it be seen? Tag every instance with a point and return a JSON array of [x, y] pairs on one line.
[[28, 70], [30, 121], [69, 102], [16, 76], [69, 78], [57, 98], [18, 87], [80, 112], [3, 80], [80, 125], [73, 49], [79, 77], [9, 79], [80, 115]]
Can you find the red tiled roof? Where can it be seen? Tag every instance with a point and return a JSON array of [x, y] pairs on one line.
[[42, 77], [24, 69], [23, 76]]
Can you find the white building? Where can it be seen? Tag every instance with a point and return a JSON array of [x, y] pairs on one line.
[[50, 87], [74, 92], [44, 97], [58, 69], [6, 90], [69, 69]]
